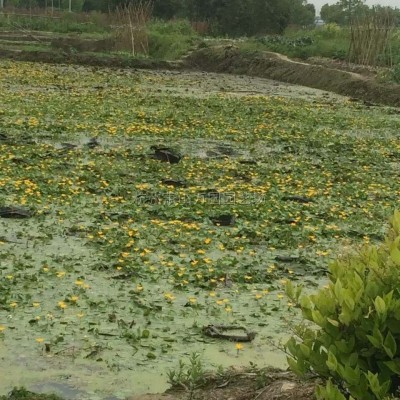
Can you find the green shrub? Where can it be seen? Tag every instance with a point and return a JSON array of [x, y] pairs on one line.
[[354, 338], [177, 27], [171, 40]]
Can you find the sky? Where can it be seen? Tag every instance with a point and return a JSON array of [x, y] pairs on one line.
[[319, 3]]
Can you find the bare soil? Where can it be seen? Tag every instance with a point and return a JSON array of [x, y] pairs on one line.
[[275, 386], [230, 59]]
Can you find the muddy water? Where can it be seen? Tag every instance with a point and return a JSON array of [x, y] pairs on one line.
[[48, 263], [204, 84], [89, 357]]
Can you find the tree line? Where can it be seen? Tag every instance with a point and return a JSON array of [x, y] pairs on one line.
[[225, 17], [343, 11]]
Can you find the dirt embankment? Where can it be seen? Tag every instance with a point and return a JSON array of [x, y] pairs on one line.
[[230, 59], [89, 59], [226, 59], [245, 386]]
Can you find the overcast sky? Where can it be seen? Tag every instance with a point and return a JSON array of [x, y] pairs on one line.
[[319, 3]]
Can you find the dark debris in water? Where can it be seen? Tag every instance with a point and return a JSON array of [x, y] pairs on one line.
[[223, 220], [165, 154], [93, 143], [15, 212], [174, 183], [298, 199]]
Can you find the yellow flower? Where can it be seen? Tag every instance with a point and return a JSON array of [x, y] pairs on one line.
[[2, 328], [258, 296], [62, 305], [74, 299], [192, 300], [60, 274], [169, 297], [39, 340], [79, 282], [13, 304], [207, 241], [36, 304], [80, 315], [239, 346], [139, 288]]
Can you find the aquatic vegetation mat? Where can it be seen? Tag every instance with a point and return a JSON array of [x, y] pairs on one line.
[[137, 208]]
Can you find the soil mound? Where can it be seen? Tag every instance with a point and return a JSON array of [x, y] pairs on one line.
[[230, 59]]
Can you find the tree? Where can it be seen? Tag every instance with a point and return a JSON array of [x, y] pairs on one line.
[[342, 11], [333, 14], [302, 13]]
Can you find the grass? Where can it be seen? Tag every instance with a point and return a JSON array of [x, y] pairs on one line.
[[172, 40], [63, 22], [330, 42], [116, 266]]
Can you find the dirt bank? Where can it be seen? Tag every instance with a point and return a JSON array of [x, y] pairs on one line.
[[244, 386], [90, 59], [224, 59], [230, 59]]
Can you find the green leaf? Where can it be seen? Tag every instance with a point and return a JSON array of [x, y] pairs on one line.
[[318, 318], [374, 384], [375, 342], [305, 350], [330, 392], [395, 254], [289, 290], [338, 289], [306, 303], [295, 366], [353, 359], [349, 301], [345, 317], [291, 345], [345, 346], [390, 345], [394, 365], [332, 363], [333, 322], [352, 375], [380, 306]]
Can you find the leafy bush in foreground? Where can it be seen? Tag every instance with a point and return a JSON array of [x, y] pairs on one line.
[[357, 344]]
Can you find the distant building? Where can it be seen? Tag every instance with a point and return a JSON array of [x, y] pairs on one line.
[[319, 21]]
